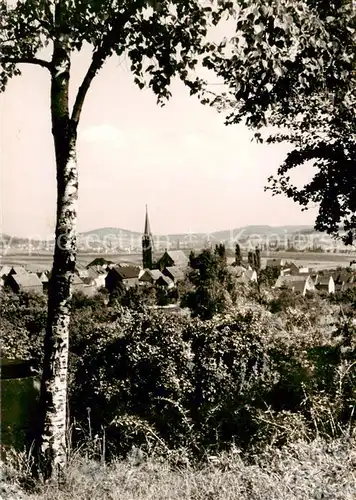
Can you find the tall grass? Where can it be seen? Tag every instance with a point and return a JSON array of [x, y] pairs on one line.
[[299, 471]]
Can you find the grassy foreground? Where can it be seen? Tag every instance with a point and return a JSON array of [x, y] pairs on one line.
[[300, 471]]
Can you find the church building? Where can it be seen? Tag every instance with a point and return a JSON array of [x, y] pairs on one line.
[[169, 258]]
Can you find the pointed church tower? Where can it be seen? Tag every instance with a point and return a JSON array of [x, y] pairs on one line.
[[147, 244]]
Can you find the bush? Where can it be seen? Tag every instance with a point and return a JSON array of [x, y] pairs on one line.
[[164, 297], [285, 299], [137, 374], [204, 385], [23, 320]]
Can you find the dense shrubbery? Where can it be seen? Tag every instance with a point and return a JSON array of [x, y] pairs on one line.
[[188, 382], [206, 384], [347, 297], [284, 299], [22, 323], [247, 376]]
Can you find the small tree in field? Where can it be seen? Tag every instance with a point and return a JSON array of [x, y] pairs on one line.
[[238, 256], [258, 259], [162, 39], [251, 259], [220, 252]]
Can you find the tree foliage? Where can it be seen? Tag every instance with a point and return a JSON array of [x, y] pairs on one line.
[[291, 65], [212, 285], [161, 39], [22, 324]]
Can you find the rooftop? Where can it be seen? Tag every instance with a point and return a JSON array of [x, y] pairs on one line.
[[27, 280], [178, 256], [127, 272], [176, 272]]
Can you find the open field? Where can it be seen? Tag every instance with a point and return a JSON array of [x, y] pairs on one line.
[[314, 260], [43, 261]]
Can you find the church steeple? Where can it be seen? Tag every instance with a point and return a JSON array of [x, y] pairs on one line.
[[147, 230], [147, 242]]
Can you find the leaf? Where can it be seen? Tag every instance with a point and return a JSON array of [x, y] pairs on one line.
[[278, 71], [258, 28]]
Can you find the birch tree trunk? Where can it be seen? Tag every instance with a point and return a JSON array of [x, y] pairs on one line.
[[53, 399]]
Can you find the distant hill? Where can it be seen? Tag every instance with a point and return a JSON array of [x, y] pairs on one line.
[[225, 234], [107, 231], [127, 240]]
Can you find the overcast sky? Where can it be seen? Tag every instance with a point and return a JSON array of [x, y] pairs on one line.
[[194, 173]]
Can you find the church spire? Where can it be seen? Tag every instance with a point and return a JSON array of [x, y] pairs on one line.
[[147, 244], [147, 230]]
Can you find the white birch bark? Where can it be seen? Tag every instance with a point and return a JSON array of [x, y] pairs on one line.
[[53, 400]]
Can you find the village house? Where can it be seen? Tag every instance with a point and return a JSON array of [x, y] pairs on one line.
[[349, 281], [117, 276], [175, 273], [251, 275], [24, 282], [165, 282], [343, 279], [150, 276], [243, 275], [301, 284], [172, 258], [304, 269], [77, 284], [101, 271], [44, 280], [99, 280], [81, 271], [244, 264], [4, 271], [248, 276], [293, 269], [88, 276], [42, 276], [100, 262], [275, 263], [325, 284], [92, 277], [17, 270], [236, 271], [340, 277]]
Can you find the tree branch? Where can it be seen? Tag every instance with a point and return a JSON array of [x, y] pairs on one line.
[[99, 57], [96, 63], [25, 60]]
